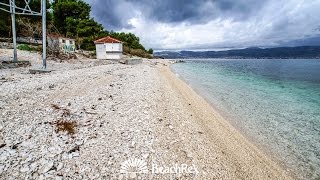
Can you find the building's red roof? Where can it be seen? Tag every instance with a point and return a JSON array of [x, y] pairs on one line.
[[107, 39]]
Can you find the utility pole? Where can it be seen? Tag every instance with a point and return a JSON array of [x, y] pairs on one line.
[[14, 32], [44, 34], [13, 10]]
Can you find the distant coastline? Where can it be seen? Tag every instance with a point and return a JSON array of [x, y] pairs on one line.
[[301, 52]]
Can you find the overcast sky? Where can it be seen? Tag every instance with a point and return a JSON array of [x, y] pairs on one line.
[[212, 24]]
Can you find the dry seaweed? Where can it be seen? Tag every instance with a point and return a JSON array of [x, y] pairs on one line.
[[66, 126]]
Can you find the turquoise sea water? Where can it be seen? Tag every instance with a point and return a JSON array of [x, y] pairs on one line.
[[275, 103]]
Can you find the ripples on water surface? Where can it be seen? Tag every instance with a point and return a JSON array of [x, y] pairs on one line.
[[275, 103]]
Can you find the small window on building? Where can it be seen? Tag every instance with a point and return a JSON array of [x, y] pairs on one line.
[[63, 41]]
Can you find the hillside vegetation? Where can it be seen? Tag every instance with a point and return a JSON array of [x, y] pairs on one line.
[[69, 18], [308, 52]]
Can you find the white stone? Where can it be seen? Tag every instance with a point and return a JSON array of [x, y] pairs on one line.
[[35, 175], [75, 154], [49, 175], [67, 170], [60, 166], [65, 156], [64, 137], [132, 175], [1, 169], [152, 151], [145, 156], [41, 177], [3, 156], [189, 155], [46, 167], [24, 169], [51, 155], [59, 178], [50, 172], [132, 144], [27, 144], [55, 150], [11, 152], [30, 158], [34, 166], [79, 142]]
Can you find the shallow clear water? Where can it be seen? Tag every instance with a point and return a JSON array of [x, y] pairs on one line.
[[275, 103]]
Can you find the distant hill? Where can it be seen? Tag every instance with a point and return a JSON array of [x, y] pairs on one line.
[[310, 52]]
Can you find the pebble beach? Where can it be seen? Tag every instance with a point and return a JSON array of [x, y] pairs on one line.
[[87, 117]]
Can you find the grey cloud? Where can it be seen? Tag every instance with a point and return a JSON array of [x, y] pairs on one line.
[[110, 13], [114, 14], [212, 23], [307, 41], [174, 11], [239, 10]]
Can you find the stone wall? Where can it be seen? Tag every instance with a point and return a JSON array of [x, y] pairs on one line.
[[6, 45]]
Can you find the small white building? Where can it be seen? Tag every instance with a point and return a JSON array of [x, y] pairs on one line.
[[66, 45], [108, 48]]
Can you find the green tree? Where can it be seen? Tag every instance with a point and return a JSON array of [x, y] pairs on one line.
[[70, 18], [88, 31], [5, 20], [5, 24], [66, 13], [89, 27], [150, 51]]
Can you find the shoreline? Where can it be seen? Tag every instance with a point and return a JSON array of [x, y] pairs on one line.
[[263, 148], [203, 106]]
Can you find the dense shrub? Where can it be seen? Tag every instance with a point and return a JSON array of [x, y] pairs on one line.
[[25, 47], [140, 53]]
